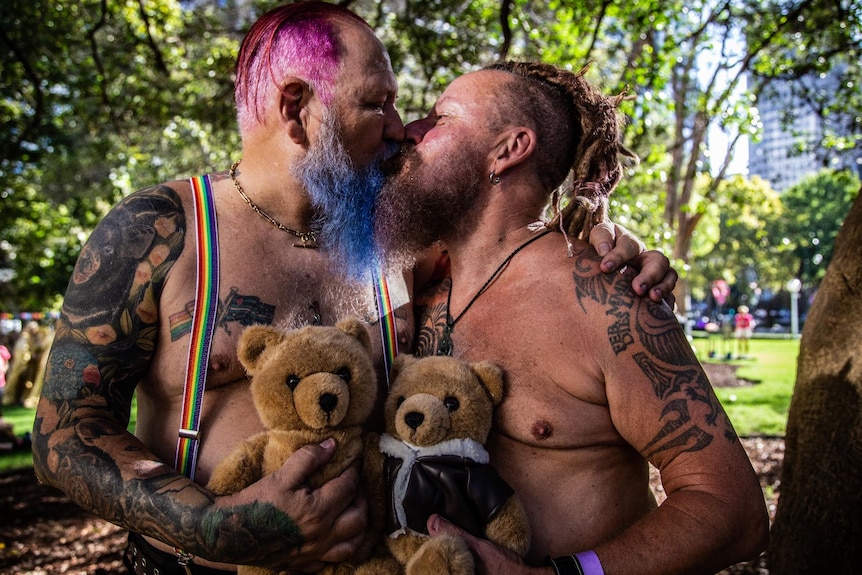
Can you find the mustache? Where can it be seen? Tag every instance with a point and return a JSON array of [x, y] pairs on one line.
[[392, 165], [391, 149]]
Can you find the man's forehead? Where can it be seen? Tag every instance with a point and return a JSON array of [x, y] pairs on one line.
[[470, 89], [365, 55]]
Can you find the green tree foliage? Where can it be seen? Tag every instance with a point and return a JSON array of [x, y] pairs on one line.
[[732, 242], [99, 98], [813, 213]]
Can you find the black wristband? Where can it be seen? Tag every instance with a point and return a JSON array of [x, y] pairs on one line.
[[566, 565]]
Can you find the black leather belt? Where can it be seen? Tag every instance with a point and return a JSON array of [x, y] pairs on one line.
[[141, 558]]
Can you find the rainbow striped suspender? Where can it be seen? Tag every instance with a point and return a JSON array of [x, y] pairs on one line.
[[203, 324], [388, 331]]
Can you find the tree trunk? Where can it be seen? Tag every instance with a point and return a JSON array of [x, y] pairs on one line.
[[818, 524]]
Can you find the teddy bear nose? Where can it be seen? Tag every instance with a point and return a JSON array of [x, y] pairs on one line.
[[414, 419], [328, 402]]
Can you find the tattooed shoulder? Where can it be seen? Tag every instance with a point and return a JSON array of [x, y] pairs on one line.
[[110, 310], [127, 256], [650, 334]]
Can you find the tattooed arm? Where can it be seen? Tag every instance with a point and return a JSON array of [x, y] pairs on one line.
[[104, 345], [662, 403]]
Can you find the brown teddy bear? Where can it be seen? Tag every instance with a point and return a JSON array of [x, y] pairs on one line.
[[307, 384], [432, 460]]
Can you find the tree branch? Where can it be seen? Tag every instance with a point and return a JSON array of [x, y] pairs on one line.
[[505, 12], [160, 61]]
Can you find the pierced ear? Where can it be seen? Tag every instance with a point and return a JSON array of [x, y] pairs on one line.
[[514, 147], [295, 95]]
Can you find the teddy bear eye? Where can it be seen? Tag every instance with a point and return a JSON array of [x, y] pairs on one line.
[[344, 373], [451, 403], [292, 381], [401, 400]]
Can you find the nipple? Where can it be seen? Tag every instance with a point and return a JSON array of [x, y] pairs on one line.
[[542, 429], [218, 363]]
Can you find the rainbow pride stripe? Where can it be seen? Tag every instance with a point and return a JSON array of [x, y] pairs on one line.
[[388, 330], [203, 323]]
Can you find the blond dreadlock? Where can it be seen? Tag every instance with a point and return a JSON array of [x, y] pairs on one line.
[[579, 137]]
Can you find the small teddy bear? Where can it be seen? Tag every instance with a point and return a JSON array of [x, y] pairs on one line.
[[307, 384], [432, 460]]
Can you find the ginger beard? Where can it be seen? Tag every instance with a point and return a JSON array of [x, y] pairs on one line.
[[420, 203], [343, 197]]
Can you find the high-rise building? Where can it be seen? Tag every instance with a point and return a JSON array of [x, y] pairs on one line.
[[790, 146]]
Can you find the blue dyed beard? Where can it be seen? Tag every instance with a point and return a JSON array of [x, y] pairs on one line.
[[344, 199]]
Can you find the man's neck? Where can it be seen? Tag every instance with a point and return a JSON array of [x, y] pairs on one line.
[[476, 257], [271, 186]]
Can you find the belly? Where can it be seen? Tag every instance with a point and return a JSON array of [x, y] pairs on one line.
[[228, 416], [575, 497]]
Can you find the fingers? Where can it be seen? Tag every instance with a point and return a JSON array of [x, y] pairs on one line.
[[490, 558], [333, 517], [348, 532], [304, 462], [330, 520], [656, 279], [437, 525], [619, 247], [603, 238], [616, 245]]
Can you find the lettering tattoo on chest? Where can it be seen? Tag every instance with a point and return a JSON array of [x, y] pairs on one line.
[[651, 334]]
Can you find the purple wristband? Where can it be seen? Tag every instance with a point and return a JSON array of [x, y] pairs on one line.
[[590, 563], [584, 563]]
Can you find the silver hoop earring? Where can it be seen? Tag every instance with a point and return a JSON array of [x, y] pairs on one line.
[[495, 179]]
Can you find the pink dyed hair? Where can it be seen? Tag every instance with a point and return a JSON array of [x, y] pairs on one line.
[[298, 39]]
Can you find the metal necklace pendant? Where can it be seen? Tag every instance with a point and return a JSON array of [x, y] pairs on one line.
[[444, 346]]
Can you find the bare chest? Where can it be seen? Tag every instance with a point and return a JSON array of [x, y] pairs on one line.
[[550, 353]]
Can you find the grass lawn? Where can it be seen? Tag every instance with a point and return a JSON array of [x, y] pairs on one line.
[[761, 408], [22, 422], [21, 419]]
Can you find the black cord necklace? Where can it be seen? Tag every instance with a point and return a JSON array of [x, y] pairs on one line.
[[445, 346]]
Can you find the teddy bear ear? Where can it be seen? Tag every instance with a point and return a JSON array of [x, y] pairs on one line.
[[491, 376], [253, 341], [355, 328], [399, 363]]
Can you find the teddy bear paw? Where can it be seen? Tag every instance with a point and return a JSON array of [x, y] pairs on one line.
[[442, 554]]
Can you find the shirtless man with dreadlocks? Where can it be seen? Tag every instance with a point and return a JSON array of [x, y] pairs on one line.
[[601, 382]]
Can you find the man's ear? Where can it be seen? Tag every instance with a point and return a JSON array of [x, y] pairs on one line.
[[514, 147], [295, 95]]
